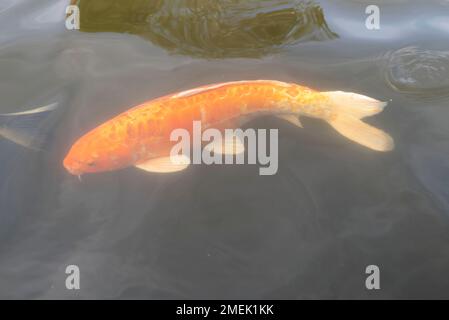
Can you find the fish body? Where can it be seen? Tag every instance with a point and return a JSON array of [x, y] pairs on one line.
[[143, 132]]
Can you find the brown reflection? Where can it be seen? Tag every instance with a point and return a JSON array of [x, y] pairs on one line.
[[211, 29]]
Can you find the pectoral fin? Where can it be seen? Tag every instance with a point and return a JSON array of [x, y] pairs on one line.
[[165, 164], [227, 146], [293, 119]]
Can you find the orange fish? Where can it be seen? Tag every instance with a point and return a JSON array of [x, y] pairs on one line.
[[141, 136]]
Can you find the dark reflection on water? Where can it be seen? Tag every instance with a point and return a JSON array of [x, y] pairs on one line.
[[227, 28]]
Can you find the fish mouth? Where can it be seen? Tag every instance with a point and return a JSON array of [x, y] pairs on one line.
[[73, 171], [71, 168]]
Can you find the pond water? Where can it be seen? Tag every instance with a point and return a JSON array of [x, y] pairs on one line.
[[308, 232]]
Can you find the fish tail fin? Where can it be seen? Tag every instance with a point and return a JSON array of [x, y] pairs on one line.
[[350, 108], [29, 128], [357, 105]]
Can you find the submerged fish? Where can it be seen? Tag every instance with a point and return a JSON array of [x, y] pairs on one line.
[[141, 136], [30, 128]]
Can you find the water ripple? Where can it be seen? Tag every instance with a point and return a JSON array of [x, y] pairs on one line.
[[417, 71]]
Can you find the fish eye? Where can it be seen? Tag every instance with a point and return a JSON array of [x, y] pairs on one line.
[[91, 163]]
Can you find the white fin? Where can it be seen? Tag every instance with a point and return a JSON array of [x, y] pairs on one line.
[[165, 164], [30, 128], [226, 146], [350, 108], [358, 105], [293, 119], [362, 133], [50, 107]]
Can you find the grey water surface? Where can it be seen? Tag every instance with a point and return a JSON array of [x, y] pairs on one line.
[[209, 232]]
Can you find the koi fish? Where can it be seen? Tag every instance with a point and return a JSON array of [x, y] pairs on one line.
[[140, 137]]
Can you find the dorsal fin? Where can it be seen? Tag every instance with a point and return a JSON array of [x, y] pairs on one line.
[[202, 89]]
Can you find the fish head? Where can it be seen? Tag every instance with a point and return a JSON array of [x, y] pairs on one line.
[[91, 154]]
